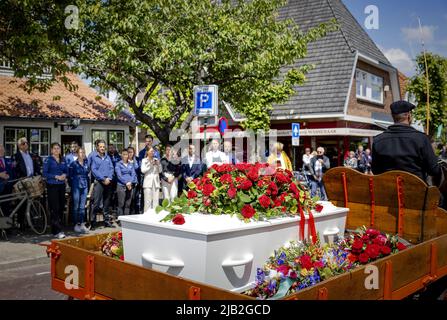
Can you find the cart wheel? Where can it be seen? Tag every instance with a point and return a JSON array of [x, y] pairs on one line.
[[37, 218]]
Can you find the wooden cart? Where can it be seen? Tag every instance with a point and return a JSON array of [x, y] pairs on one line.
[[407, 206]]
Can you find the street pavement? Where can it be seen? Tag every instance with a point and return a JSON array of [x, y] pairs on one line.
[[25, 267]]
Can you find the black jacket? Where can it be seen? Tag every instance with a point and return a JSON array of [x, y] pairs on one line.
[[402, 147], [169, 167], [20, 166]]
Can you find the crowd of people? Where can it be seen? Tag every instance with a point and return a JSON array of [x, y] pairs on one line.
[[126, 183]]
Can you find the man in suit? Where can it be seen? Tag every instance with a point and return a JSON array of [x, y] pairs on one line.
[[26, 164], [191, 168]]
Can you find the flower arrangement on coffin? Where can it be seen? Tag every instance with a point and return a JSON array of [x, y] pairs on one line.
[[296, 266], [251, 191], [113, 246]]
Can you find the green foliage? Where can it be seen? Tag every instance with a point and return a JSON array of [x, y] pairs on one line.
[[437, 73], [158, 50]]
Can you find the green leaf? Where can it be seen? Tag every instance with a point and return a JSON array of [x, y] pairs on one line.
[[159, 209], [165, 203], [244, 198]]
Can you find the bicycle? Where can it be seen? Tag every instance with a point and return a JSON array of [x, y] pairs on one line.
[[34, 211]]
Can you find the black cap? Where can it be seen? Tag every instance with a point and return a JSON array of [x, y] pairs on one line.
[[399, 107]]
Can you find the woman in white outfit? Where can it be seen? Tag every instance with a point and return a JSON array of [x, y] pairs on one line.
[[151, 168]]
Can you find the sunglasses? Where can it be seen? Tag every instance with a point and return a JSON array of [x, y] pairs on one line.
[[23, 143]]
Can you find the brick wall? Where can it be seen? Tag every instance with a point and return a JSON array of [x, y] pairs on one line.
[[362, 108]]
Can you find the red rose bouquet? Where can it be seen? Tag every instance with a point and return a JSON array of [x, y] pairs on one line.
[[251, 191]]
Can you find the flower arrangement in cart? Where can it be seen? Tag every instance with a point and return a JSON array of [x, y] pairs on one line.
[[297, 266], [249, 191], [112, 246]]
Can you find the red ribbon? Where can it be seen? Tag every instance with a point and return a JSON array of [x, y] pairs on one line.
[[302, 223], [312, 228]]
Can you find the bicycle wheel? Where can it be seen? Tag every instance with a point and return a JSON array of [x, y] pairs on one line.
[[37, 218]]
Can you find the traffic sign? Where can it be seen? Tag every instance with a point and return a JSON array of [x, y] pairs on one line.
[[295, 130], [295, 134], [223, 124], [205, 101]]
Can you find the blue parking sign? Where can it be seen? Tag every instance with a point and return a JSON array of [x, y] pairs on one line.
[[205, 101]]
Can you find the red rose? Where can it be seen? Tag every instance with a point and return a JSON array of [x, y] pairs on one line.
[[226, 178], [363, 258], [208, 189], [248, 211], [372, 232], [232, 193], [122, 257], [284, 269], [253, 174], [283, 209], [293, 275], [352, 257], [120, 235], [306, 262], [273, 188], [277, 203], [192, 194], [357, 246], [178, 219], [380, 240], [281, 178], [318, 264], [294, 188], [385, 250], [264, 201], [318, 208], [283, 197], [207, 202], [246, 184], [401, 246], [260, 184], [373, 251]]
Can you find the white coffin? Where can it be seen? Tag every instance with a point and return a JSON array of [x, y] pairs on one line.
[[218, 250]]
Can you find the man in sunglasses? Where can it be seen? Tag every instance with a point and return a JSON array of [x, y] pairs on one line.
[[401, 147], [26, 163]]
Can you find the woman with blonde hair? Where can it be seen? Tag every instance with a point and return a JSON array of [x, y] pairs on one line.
[[279, 158], [151, 168]]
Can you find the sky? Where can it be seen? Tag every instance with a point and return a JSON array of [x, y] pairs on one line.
[[398, 34]]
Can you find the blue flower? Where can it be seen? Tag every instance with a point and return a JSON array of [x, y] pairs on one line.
[[260, 275], [272, 285], [280, 262]]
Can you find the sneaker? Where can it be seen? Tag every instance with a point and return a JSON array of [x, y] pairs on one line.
[[109, 225], [60, 235], [84, 229], [78, 228]]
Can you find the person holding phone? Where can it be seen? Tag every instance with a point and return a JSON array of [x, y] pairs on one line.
[[151, 168]]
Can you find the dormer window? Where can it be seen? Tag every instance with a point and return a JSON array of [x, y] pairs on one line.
[[369, 87]]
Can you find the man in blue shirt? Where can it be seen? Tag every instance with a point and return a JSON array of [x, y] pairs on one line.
[[103, 173], [148, 139], [73, 155]]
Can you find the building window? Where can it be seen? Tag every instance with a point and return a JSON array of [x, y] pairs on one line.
[[369, 87], [38, 139], [115, 137]]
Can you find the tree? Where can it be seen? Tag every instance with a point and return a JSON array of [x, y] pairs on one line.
[[437, 74], [153, 52]]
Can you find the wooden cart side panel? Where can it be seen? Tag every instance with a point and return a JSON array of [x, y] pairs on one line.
[[374, 201], [411, 270], [121, 280], [441, 221]]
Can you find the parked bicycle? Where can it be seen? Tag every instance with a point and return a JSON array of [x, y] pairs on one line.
[[27, 194]]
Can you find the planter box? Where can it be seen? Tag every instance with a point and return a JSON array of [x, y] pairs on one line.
[[217, 250]]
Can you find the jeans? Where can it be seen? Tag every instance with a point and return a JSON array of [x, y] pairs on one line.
[[318, 185], [102, 193], [56, 203], [79, 199], [125, 197]]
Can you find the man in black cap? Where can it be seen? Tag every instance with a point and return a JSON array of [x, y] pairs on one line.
[[402, 147]]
